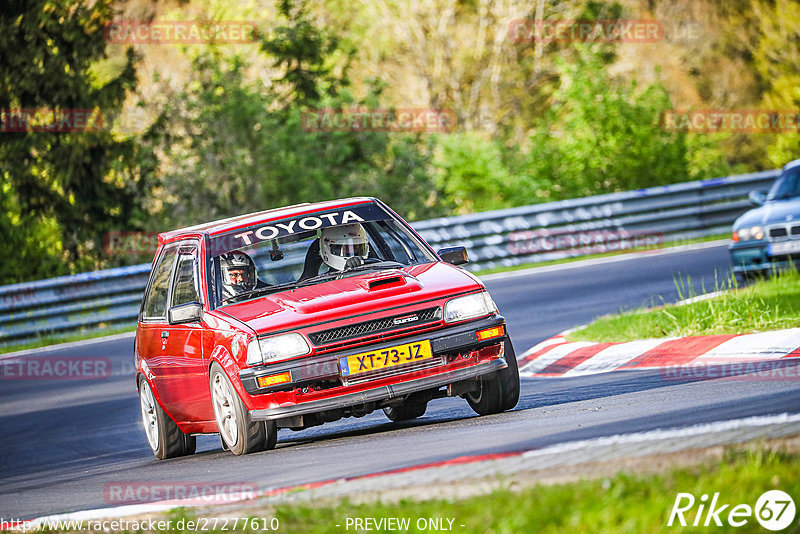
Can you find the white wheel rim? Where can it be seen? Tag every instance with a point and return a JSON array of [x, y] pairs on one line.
[[224, 409], [149, 415]]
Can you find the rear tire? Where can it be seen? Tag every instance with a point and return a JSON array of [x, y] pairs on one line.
[[165, 438], [238, 431], [509, 378]]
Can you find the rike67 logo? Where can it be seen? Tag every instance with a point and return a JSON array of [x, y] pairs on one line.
[[774, 510]]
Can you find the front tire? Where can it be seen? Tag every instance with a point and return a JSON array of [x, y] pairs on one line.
[[238, 431], [488, 397], [165, 438], [509, 378]]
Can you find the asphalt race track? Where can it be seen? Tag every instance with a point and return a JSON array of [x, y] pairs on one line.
[[64, 441]]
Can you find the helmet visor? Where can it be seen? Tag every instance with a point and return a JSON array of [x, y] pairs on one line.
[[237, 275], [349, 249]]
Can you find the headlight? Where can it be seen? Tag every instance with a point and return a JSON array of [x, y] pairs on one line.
[[469, 307], [254, 353], [276, 348], [746, 234]]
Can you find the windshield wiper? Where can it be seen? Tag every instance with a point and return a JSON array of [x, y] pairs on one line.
[[380, 264], [259, 290], [318, 278], [383, 264]]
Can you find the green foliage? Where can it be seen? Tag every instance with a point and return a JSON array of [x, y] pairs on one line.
[[60, 193], [229, 146], [553, 121], [30, 245], [300, 50], [777, 59], [601, 136], [471, 173]]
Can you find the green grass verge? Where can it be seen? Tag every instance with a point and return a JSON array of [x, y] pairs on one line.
[[667, 244], [624, 503], [46, 341], [765, 305]]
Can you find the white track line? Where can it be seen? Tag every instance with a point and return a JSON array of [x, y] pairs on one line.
[[669, 433]]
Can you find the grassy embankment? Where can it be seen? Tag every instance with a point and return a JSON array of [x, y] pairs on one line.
[[769, 304]]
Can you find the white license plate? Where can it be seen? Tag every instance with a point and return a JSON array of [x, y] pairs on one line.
[[780, 249]]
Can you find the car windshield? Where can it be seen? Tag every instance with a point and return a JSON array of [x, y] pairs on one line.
[[289, 256], [786, 186]]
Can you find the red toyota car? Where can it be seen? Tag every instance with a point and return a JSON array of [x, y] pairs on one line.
[[297, 316]]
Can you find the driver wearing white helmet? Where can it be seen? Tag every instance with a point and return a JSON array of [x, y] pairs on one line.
[[238, 272], [344, 246]]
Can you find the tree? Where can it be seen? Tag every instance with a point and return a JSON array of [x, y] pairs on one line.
[[61, 184], [778, 61], [228, 146], [601, 136]]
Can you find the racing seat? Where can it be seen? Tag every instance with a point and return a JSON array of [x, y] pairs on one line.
[[312, 262]]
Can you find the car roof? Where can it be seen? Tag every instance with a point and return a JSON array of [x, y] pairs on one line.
[[249, 219], [791, 165]]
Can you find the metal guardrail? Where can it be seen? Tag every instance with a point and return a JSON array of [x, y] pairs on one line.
[[110, 298]]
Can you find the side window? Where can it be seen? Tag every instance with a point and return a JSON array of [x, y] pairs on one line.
[[185, 289], [155, 306]]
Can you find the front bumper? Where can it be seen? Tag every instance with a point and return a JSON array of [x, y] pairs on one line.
[[381, 393], [754, 257], [445, 342]]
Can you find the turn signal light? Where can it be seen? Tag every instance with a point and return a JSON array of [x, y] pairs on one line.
[[489, 333], [271, 380]]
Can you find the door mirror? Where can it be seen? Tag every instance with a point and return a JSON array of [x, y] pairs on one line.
[[757, 197], [454, 255], [191, 312]]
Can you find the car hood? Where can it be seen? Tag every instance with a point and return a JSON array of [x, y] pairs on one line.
[[350, 296], [770, 213]]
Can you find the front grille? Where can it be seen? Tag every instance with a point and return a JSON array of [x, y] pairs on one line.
[[796, 230], [393, 371], [385, 324]]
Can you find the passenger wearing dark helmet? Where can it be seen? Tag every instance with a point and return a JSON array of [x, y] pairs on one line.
[[238, 272]]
